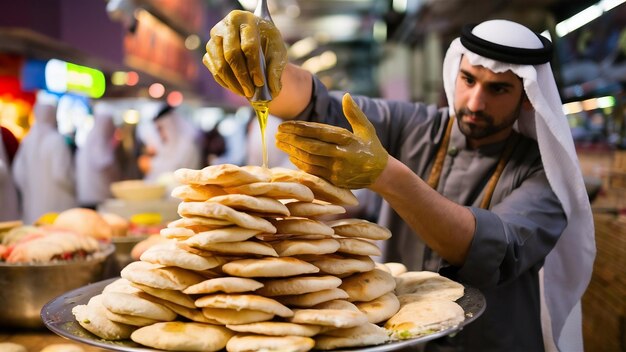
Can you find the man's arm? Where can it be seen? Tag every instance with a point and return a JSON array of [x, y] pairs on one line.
[[295, 95], [446, 227]]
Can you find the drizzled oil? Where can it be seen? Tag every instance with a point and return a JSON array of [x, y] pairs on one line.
[[261, 109]]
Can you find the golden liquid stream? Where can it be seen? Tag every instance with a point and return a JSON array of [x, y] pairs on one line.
[[261, 109]]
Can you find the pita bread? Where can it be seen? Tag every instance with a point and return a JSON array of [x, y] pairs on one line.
[[13, 347], [253, 343], [302, 226], [241, 248], [128, 319], [276, 190], [193, 314], [359, 228], [287, 248], [177, 233], [426, 285], [424, 317], [169, 254], [124, 303], [396, 268], [222, 212], [155, 275], [312, 298], [337, 304], [225, 234], [179, 336], [366, 286], [358, 246], [275, 328], [225, 175], [314, 209], [167, 295], [381, 308], [243, 301], [339, 318], [322, 189], [234, 316], [92, 317], [121, 285], [298, 285], [199, 223], [261, 172], [363, 335], [383, 267], [251, 204], [196, 193], [55, 347], [342, 266], [269, 267], [224, 284]]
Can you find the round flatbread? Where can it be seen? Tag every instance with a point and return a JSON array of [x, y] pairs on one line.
[[176, 233], [276, 190], [169, 254], [196, 193], [124, 303], [247, 248], [366, 286], [359, 228], [287, 248], [396, 268], [193, 314], [158, 276], [322, 189], [167, 295], [253, 343], [225, 234], [363, 335], [381, 308], [224, 284], [92, 317], [337, 304], [222, 212], [275, 328], [269, 267], [418, 285], [314, 209], [357, 246], [128, 319], [342, 266], [424, 317], [121, 285], [179, 336], [234, 316], [298, 285], [312, 298], [339, 318], [250, 204], [198, 224], [244, 301], [225, 175], [302, 227]]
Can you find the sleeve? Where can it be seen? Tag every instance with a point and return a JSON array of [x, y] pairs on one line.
[[395, 121], [515, 235]]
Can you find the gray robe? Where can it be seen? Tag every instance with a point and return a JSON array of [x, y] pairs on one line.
[[512, 238]]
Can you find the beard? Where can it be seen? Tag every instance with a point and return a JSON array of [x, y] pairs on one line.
[[484, 124]]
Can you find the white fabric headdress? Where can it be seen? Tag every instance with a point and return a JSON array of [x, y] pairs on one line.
[[567, 268]]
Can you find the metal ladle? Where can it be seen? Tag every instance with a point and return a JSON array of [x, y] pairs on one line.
[[262, 93]]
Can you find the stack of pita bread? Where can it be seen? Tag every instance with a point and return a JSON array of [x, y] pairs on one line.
[[250, 266]]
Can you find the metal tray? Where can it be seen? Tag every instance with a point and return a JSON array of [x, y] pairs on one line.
[[57, 316]]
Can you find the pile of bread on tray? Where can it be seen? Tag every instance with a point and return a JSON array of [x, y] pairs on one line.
[[251, 266]]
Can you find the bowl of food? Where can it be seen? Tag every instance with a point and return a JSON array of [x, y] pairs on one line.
[[137, 190]]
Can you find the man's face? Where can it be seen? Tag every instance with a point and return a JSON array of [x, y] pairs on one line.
[[486, 103]]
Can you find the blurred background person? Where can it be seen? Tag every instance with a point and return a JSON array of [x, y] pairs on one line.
[[43, 168], [178, 145], [8, 192], [96, 163]]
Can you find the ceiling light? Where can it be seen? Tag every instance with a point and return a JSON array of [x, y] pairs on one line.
[[302, 47]]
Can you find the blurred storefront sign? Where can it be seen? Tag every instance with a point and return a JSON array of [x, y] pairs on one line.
[[60, 77]]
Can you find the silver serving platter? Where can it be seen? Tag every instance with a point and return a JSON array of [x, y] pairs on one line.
[[57, 316]]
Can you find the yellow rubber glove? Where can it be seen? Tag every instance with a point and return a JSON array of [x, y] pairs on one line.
[[232, 53], [349, 160]]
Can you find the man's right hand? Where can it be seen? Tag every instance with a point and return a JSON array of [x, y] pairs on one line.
[[233, 53]]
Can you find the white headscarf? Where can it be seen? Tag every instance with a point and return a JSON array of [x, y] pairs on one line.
[[567, 268]]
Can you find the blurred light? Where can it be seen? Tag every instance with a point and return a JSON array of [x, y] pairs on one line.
[[131, 116], [56, 76], [325, 61], [292, 10], [156, 90], [132, 78], [192, 42], [572, 108], [175, 98], [590, 104], [585, 16], [302, 47], [119, 78], [399, 5], [606, 102], [380, 31]]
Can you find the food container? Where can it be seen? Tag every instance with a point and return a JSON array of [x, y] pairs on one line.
[[25, 288], [137, 190]]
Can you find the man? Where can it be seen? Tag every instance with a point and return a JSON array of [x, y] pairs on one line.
[[490, 184]]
